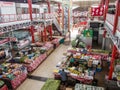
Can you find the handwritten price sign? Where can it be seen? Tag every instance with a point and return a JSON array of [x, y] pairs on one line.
[[97, 11]]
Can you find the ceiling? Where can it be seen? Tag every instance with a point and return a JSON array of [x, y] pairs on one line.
[[83, 4]]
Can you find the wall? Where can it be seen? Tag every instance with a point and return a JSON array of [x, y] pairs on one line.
[[108, 41]]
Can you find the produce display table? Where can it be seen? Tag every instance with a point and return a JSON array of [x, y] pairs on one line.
[[55, 42], [32, 66], [85, 77], [102, 56], [85, 80], [14, 74], [49, 47], [51, 84], [87, 87]]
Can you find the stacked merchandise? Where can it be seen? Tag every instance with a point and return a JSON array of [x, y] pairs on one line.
[[77, 70], [13, 74], [49, 47], [78, 43], [87, 87], [102, 53], [55, 42], [81, 65], [30, 58]]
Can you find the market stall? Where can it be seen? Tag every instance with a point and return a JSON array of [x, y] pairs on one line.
[[30, 57], [49, 47], [13, 74], [101, 53], [76, 70]]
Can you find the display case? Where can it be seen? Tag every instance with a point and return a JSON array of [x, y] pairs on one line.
[[87, 87]]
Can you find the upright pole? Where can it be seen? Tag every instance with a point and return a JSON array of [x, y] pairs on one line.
[[114, 47], [116, 16], [59, 10], [114, 50], [104, 3], [50, 26], [30, 12], [106, 9], [104, 36]]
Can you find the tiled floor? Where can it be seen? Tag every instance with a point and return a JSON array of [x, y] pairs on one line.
[[35, 81]]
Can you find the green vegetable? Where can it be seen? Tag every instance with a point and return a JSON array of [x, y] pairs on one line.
[[1, 83], [51, 84], [74, 43], [22, 59]]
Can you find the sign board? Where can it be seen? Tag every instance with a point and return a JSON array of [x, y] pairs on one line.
[[67, 8], [7, 4], [88, 33], [4, 41], [97, 11]]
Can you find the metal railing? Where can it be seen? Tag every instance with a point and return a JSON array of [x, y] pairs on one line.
[[110, 18], [6, 18]]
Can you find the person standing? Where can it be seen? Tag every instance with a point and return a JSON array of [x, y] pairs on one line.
[[63, 75]]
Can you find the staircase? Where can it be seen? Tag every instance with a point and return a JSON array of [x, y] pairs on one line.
[[56, 26]]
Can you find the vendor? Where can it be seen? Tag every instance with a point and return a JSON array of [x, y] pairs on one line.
[[64, 77], [99, 68], [72, 60], [76, 63]]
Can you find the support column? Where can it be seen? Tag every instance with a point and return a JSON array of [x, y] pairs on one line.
[[50, 26], [106, 9], [41, 36], [30, 12], [106, 3], [114, 47], [45, 34], [114, 50], [51, 31], [104, 35], [59, 10], [116, 16]]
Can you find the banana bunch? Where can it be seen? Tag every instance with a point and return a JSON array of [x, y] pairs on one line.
[[74, 71]]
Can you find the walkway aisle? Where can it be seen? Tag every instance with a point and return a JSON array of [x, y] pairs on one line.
[[44, 71]]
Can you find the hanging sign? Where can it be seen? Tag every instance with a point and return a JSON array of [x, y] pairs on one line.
[[97, 11], [2, 4], [84, 23], [66, 17], [4, 41], [88, 33]]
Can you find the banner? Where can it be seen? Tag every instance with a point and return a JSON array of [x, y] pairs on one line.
[[97, 11], [88, 33], [67, 7]]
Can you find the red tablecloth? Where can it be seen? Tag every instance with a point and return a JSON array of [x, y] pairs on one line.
[[36, 62], [4, 88], [81, 79], [18, 80]]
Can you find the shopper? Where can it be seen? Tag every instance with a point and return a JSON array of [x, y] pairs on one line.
[[99, 68], [64, 77], [72, 60]]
